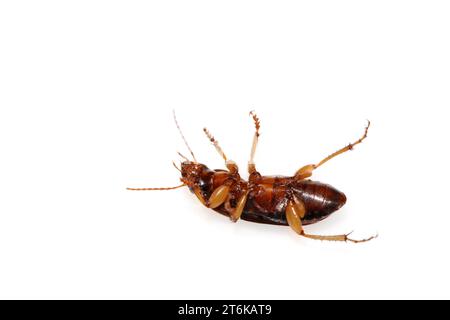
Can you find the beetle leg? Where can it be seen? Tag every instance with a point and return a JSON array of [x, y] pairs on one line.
[[215, 143], [251, 163], [199, 195], [340, 237], [306, 171], [231, 165], [237, 212], [218, 197], [295, 210]]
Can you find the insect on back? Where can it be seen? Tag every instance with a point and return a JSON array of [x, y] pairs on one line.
[[281, 200]]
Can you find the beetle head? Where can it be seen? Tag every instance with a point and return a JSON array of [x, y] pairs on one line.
[[192, 172]]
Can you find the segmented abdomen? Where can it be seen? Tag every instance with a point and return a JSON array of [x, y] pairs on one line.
[[267, 203], [320, 199]]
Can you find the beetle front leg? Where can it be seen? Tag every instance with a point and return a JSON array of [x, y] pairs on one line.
[[199, 195], [295, 210], [251, 162], [218, 197]]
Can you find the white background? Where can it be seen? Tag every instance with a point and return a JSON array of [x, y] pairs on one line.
[[86, 94]]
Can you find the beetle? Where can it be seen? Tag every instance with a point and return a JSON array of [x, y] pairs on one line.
[[292, 201]]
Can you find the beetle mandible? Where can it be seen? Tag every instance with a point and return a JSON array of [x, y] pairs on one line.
[[280, 200]]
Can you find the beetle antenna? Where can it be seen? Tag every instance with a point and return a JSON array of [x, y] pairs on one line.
[[182, 136], [152, 189], [173, 162], [179, 153]]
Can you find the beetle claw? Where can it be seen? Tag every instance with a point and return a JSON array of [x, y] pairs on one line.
[[359, 241]]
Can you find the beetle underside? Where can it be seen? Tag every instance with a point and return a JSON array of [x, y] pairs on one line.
[[295, 201]]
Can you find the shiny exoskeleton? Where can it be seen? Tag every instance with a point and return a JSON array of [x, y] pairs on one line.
[[295, 201], [268, 196]]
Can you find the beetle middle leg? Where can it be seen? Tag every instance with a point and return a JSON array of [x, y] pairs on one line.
[[306, 171], [295, 211]]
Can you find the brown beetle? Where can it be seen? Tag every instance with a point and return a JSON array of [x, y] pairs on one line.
[[295, 201]]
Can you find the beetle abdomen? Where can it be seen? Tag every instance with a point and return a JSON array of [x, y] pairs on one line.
[[320, 201]]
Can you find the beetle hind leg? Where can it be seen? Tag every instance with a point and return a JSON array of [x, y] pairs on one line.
[[295, 210], [306, 171], [340, 237]]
